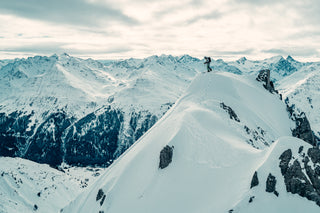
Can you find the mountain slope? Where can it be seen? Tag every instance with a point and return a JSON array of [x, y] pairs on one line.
[[219, 133], [64, 109], [279, 200], [303, 90], [26, 186]]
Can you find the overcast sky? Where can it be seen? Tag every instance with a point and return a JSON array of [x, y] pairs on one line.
[[115, 29]]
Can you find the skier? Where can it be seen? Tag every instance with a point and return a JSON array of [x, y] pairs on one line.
[[208, 60]]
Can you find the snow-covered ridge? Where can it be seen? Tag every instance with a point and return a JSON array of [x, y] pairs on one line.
[[216, 150]]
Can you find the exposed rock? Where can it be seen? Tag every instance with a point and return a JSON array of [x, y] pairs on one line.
[[255, 180], [271, 183], [100, 194], [303, 130], [165, 156], [251, 199], [230, 111], [295, 179], [313, 177], [314, 154], [102, 200], [300, 149], [285, 158], [264, 76]]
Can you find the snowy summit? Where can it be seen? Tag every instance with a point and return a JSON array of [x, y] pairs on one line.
[[217, 136]]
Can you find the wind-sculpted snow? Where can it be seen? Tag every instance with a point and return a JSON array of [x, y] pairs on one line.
[[213, 156]]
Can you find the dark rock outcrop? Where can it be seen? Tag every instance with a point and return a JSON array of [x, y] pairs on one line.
[[285, 158], [100, 194], [230, 111], [251, 199], [255, 180], [314, 154], [165, 156], [296, 181], [271, 184], [264, 76], [303, 130]]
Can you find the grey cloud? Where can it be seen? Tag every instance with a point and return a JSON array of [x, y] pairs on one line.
[[294, 51], [258, 2], [35, 48], [309, 12], [56, 47], [305, 34], [213, 15], [72, 12], [240, 52]]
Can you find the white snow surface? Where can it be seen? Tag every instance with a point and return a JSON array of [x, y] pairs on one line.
[[268, 202], [303, 89], [213, 160], [25, 184]]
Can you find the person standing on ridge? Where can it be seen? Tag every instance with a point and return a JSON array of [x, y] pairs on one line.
[[208, 60]]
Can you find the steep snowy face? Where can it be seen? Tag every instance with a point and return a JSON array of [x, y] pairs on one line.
[[200, 156], [286, 181], [303, 90]]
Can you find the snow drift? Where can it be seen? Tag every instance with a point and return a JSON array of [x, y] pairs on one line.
[[219, 131]]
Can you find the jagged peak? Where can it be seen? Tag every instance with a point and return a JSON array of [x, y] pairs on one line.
[[186, 57], [65, 55], [274, 59], [289, 58], [242, 60]]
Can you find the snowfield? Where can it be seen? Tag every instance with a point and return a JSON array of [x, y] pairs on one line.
[[213, 158], [26, 186]]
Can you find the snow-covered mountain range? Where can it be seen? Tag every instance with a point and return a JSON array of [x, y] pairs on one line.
[[84, 112], [224, 125]]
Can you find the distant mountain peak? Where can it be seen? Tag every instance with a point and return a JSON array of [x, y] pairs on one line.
[[289, 58], [241, 60]]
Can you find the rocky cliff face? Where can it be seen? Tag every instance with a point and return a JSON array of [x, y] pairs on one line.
[[300, 177]]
